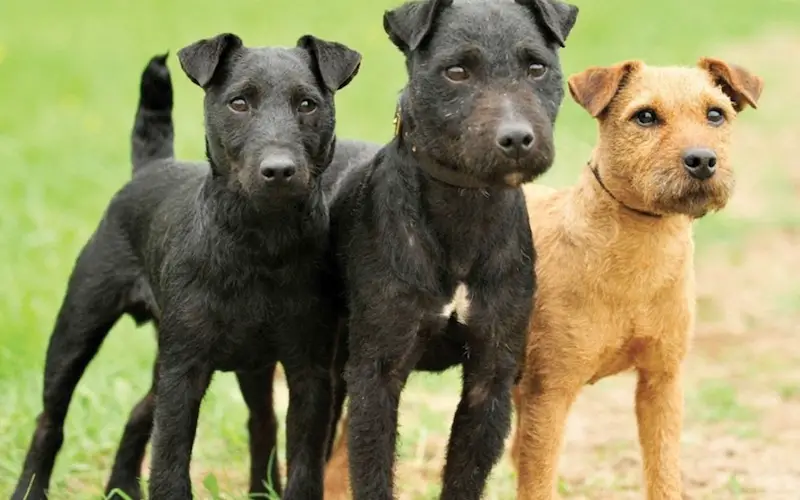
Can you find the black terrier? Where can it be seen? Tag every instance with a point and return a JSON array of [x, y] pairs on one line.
[[224, 257], [432, 237], [152, 132]]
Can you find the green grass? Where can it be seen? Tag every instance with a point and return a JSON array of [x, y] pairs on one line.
[[68, 88]]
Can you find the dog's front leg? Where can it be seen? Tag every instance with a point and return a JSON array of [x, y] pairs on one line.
[[180, 389], [659, 413], [307, 426], [481, 422], [382, 355], [543, 409]]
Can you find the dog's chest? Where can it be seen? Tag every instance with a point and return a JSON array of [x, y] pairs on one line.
[[459, 304]]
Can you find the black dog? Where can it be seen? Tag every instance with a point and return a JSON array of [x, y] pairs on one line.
[[153, 138], [224, 257], [432, 236]]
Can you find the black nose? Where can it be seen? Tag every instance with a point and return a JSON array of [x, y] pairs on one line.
[[278, 169], [515, 139], [700, 163]]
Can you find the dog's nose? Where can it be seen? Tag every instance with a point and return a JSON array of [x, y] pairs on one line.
[[278, 169], [515, 139], [701, 163]]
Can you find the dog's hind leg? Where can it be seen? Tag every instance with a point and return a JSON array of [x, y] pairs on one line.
[[262, 425], [94, 300], [516, 398], [337, 470], [339, 385], [127, 466]]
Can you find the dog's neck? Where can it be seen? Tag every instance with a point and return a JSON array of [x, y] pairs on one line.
[[596, 201], [257, 222], [594, 168]]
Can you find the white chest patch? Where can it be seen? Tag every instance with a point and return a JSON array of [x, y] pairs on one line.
[[458, 305]]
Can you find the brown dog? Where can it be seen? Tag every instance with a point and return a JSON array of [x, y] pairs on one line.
[[615, 261], [615, 257]]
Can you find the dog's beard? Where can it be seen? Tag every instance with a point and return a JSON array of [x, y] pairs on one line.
[[680, 194], [485, 162]]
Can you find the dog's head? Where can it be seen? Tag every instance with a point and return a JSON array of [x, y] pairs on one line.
[[269, 112], [665, 132], [485, 83]]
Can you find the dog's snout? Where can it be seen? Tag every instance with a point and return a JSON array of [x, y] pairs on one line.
[[278, 169], [701, 163], [515, 139]]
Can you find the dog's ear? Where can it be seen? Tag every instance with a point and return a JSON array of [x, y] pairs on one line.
[[557, 18], [409, 24], [201, 59], [336, 64], [740, 85], [594, 88]]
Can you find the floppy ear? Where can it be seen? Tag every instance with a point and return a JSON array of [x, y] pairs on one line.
[[201, 59], [594, 88], [557, 18], [336, 64], [739, 84], [409, 24]]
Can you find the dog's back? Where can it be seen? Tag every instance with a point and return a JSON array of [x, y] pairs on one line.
[[157, 176], [350, 157]]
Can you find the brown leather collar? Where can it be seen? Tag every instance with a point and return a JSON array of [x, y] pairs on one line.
[[634, 210], [435, 169]]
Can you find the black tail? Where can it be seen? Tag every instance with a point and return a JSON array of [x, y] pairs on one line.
[[153, 136]]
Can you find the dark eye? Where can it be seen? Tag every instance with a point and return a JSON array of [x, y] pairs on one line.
[[715, 116], [239, 105], [646, 117], [307, 106], [537, 70], [456, 73]]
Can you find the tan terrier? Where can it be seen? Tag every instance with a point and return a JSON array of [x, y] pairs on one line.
[[615, 257], [615, 261]]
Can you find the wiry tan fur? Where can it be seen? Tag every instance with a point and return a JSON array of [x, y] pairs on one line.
[[616, 287]]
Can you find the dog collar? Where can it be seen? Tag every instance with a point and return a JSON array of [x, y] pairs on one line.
[[635, 210], [432, 167]]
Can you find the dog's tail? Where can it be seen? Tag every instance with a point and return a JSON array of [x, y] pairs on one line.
[[153, 136]]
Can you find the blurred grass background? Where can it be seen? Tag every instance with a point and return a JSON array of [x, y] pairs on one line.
[[69, 76]]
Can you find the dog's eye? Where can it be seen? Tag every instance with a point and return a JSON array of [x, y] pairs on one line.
[[537, 70], [715, 116], [456, 73], [646, 117], [239, 105], [307, 106]]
